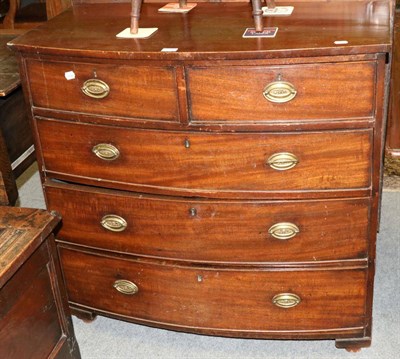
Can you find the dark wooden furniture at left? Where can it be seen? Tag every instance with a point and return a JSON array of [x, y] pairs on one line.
[[34, 315], [16, 141], [33, 14]]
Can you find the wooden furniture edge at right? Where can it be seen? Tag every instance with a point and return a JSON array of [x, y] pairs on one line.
[[392, 163]]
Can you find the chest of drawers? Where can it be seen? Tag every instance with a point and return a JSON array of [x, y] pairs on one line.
[[229, 188]]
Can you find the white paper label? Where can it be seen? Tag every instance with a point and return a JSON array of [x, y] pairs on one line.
[[169, 49], [69, 75], [341, 42]]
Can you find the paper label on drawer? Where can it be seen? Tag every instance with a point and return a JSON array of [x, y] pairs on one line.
[[267, 32], [69, 75]]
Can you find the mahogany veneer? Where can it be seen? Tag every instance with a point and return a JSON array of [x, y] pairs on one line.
[[230, 187]]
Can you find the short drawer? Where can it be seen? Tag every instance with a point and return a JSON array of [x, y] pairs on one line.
[[112, 90], [205, 163], [275, 93], [213, 231], [217, 299]]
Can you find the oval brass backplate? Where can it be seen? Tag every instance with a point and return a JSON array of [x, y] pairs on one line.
[[284, 230], [106, 151], [286, 300], [282, 161], [95, 88], [125, 287], [279, 92], [113, 223]]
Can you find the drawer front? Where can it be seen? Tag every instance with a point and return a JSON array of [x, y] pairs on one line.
[[133, 91], [207, 163], [202, 230], [247, 93], [192, 297]]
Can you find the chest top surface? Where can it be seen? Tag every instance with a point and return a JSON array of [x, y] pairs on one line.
[[214, 31], [22, 230]]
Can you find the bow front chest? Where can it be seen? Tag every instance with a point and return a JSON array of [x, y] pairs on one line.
[[228, 187]]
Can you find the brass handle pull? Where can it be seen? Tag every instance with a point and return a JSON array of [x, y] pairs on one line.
[[279, 92], [106, 151], [95, 88], [113, 223], [286, 300], [283, 230], [282, 161], [125, 287]]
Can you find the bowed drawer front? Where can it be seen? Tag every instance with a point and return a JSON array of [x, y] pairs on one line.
[[205, 162], [209, 230], [253, 300], [114, 90], [292, 92]]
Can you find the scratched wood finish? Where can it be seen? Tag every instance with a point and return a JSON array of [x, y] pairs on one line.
[[135, 91], [34, 316], [214, 31], [164, 227], [229, 163], [235, 93], [179, 295], [21, 231]]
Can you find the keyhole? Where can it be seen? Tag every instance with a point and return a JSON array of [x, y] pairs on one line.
[[193, 212]]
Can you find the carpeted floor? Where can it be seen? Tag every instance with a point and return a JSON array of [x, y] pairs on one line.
[[108, 338]]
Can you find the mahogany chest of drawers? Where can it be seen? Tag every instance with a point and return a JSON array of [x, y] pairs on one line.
[[230, 187]]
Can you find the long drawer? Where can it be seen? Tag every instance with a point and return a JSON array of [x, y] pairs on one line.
[[217, 299], [104, 89], [274, 93], [208, 162], [213, 231]]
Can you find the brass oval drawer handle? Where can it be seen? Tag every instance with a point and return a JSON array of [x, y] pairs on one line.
[[106, 151], [284, 230], [114, 223], [279, 92], [286, 300], [95, 88], [125, 287], [282, 161]]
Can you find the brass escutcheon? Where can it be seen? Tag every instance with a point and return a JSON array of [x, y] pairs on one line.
[[106, 151], [125, 287], [284, 230], [279, 92], [95, 88], [113, 223], [286, 300], [282, 161]]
